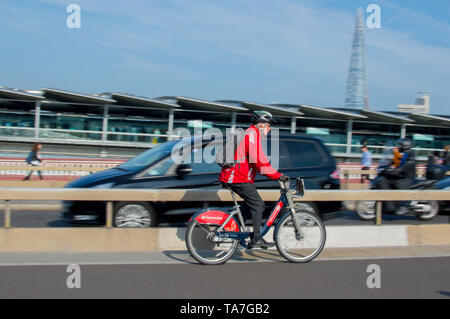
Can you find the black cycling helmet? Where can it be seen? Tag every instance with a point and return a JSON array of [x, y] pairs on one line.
[[261, 117], [403, 145]]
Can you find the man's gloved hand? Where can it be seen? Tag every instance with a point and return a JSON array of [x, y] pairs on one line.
[[283, 178]]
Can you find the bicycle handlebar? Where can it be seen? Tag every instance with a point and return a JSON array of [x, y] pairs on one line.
[[299, 189], [284, 186]]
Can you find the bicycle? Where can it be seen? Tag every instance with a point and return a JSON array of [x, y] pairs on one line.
[[213, 236]]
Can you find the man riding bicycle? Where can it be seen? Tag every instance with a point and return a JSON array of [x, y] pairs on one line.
[[240, 177]]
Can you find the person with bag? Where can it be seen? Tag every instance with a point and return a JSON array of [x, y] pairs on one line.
[[34, 159], [249, 158]]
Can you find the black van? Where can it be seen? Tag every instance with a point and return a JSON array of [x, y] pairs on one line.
[[306, 157]]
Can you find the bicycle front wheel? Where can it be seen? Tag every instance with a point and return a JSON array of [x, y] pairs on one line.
[[303, 245], [207, 248]]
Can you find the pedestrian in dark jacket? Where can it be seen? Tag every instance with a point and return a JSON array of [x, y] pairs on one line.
[[34, 159], [446, 157], [434, 171]]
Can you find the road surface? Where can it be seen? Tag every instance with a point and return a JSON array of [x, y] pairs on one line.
[[254, 275]]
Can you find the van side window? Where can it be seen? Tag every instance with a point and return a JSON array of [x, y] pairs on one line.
[[207, 164], [161, 168], [284, 161], [304, 153]]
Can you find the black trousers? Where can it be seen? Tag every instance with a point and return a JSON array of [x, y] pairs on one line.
[[364, 176], [256, 206], [31, 173]]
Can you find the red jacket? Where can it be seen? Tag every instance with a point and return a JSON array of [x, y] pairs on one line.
[[251, 159]]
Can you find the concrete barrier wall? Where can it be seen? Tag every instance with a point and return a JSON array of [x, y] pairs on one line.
[[429, 235], [134, 240], [77, 240], [33, 184]]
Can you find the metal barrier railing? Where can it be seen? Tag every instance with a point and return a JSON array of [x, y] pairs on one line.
[[110, 196], [347, 172], [358, 171], [51, 168], [344, 171]]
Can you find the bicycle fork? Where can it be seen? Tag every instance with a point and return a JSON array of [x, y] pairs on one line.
[[298, 231]]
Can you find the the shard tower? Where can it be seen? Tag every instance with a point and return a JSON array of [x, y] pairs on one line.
[[357, 95]]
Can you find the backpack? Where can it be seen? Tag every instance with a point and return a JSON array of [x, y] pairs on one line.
[[225, 154]]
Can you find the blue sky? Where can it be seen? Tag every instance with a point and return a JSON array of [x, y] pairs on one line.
[[287, 51]]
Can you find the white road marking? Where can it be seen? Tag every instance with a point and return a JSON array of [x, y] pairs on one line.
[[159, 262]]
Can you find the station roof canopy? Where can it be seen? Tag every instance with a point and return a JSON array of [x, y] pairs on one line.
[[231, 102], [209, 106], [129, 104], [273, 109], [71, 97], [328, 113], [134, 100], [15, 94], [430, 119], [385, 117]]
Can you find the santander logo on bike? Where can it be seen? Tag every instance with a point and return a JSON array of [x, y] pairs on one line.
[[217, 218], [275, 213]]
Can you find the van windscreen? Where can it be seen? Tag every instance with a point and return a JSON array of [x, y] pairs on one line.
[[149, 157]]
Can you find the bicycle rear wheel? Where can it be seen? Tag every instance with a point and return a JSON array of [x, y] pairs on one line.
[[304, 246], [207, 248]]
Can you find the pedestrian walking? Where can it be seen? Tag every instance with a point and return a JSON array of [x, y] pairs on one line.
[[366, 163], [34, 159]]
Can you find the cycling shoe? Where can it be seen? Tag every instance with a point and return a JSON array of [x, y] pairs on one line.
[[261, 243]]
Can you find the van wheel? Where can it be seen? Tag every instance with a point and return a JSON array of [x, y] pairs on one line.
[[134, 215]]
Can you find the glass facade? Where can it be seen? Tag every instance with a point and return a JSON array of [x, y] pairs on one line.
[[377, 136], [16, 123], [332, 133], [426, 139], [137, 130], [70, 126], [127, 126], [16, 119]]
